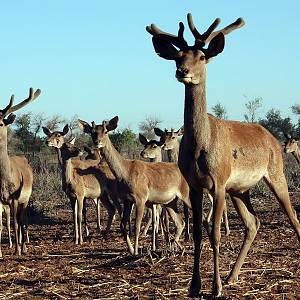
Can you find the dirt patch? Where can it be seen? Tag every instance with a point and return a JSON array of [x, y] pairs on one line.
[[55, 268]]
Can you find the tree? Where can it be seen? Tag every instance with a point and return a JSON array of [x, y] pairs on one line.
[[55, 122], [23, 132], [252, 107], [296, 109], [146, 127], [277, 125], [125, 142], [219, 111]]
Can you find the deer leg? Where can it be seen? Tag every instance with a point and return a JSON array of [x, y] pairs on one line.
[[154, 226], [280, 190], [176, 217], [111, 210], [125, 221], [16, 215], [23, 212], [26, 224], [225, 219], [196, 198], [139, 212], [187, 222], [149, 219], [85, 217], [7, 214], [1, 226], [79, 211], [75, 209], [244, 208], [218, 209]]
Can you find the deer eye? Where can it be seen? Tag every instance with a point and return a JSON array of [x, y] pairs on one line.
[[202, 57], [173, 137], [1, 124], [154, 146]]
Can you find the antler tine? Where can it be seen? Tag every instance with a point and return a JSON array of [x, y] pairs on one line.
[[233, 26], [201, 38], [177, 41], [31, 97], [4, 111]]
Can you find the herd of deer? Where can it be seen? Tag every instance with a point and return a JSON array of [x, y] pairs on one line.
[[215, 157]]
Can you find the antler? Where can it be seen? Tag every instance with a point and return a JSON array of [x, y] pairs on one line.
[[233, 26], [177, 41], [201, 39], [9, 108]]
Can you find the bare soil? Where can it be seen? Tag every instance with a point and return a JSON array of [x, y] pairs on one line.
[[54, 268]]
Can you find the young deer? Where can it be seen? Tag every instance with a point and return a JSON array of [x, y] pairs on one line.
[[171, 145], [16, 175], [153, 151], [81, 180], [219, 155], [291, 146], [140, 182]]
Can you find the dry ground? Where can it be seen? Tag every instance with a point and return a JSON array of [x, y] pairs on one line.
[[56, 269]]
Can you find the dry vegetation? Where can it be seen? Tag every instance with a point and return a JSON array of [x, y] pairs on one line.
[[56, 269]]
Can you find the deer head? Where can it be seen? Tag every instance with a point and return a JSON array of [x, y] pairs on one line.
[[152, 148], [56, 138], [291, 144], [92, 153], [99, 133], [169, 138], [69, 150], [6, 115], [190, 60]]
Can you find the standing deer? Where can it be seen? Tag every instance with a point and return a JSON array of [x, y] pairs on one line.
[[81, 180], [291, 146], [140, 182], [219, 155], [16, 175], [171, 145]]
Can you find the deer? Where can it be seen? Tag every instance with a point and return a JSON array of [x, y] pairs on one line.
[[16, 176], [291, 146], [6, 209], [81, 180], [219, 155], [171, 145], [153, 151], [140, 182]]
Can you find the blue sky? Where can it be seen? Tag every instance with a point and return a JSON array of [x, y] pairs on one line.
[[95, 59]]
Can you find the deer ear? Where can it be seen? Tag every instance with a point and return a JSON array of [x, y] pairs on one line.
[[112, 124], [47, 131], [9, 120], [143, 139], [215, 47], [158, 132], [84, 126], [180, 131], [65, 130], [164, 48], [72, 141]]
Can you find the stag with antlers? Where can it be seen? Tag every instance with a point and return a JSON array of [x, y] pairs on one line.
[[219, 155], [16, 175]]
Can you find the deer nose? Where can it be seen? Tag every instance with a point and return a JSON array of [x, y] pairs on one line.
[[182, 72]]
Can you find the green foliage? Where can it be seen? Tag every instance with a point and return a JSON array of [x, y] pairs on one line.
[[276, 124], [125, 141], [219, 111]]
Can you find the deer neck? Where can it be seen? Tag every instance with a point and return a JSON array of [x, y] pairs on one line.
[[173, 153], [115, 161], [158, 158], [67, 171], [6, 183], [58, 152], [196, 124]]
